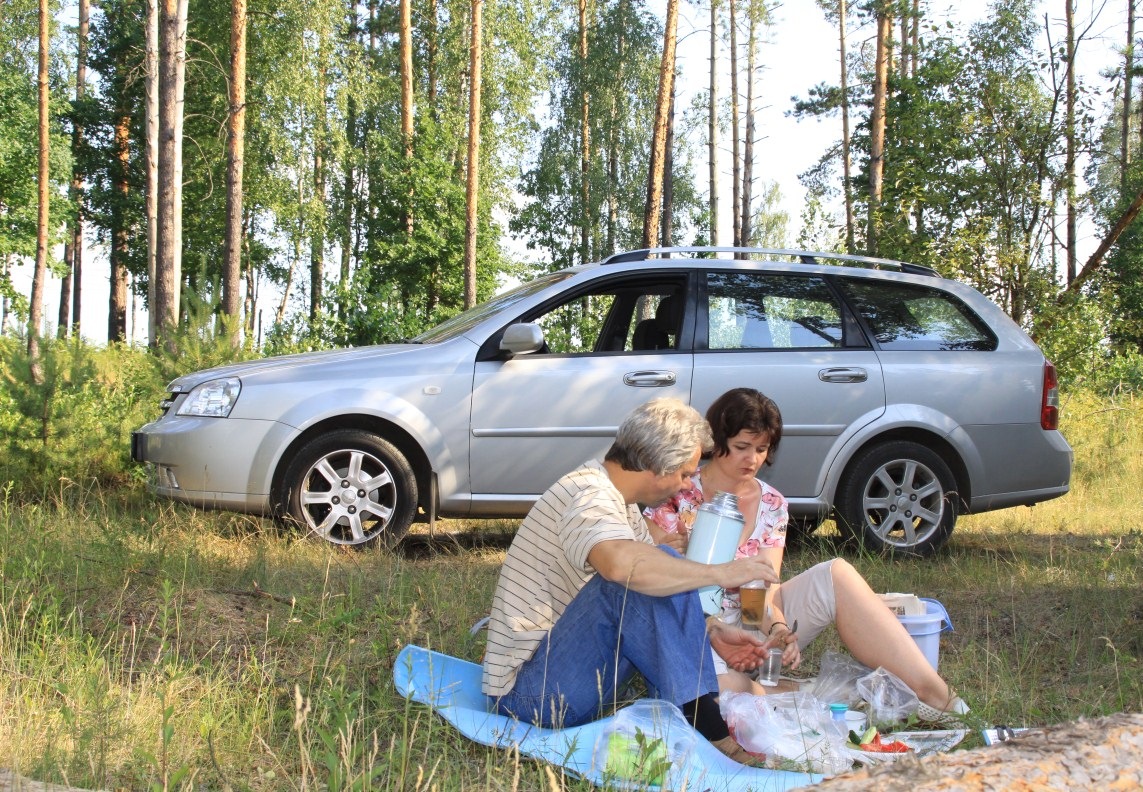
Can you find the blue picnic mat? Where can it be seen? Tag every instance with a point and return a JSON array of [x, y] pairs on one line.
[[451, 687]]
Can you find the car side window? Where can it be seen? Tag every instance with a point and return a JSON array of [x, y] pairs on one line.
[[906, 316], [623, 317], [755, 310]]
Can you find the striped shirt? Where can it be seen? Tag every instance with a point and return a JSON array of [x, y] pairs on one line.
[[547, 565]]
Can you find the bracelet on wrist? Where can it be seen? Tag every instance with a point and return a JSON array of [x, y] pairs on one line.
[[775, 624]]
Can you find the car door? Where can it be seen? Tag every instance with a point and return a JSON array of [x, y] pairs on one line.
[[609, 346], [789, 336]]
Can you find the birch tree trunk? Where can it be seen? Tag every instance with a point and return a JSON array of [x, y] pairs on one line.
[[36, 302], [472, 181], [653, 208], [169, 228], [235, 153]]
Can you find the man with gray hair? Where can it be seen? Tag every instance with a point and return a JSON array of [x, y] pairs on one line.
[[585, 598]]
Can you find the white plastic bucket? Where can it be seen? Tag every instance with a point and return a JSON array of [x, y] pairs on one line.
[[926, 630]]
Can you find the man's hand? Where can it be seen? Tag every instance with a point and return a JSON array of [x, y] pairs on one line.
[[741, 650]]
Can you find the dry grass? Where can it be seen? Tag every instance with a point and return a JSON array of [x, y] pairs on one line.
[[148, 646]]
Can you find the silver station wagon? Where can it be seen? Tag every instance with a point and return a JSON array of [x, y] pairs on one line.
[[907, 399]]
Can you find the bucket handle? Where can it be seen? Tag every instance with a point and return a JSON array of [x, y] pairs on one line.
[[944, 613]]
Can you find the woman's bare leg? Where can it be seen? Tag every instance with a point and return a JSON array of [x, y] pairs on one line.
[[875, 636]]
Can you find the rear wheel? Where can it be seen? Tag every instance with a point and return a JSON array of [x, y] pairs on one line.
[[351, 487], [898, 497]]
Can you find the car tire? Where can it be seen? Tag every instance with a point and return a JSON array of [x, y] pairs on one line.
[[351, 487], [898, 498]]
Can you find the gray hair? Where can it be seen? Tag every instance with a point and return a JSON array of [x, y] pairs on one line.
[[660, 436]]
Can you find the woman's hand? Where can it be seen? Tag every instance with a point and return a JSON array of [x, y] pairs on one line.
[[782, 637]]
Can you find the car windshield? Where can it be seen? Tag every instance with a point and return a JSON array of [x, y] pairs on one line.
[[463, 322]]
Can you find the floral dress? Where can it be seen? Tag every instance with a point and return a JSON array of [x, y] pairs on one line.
[[769, 529]]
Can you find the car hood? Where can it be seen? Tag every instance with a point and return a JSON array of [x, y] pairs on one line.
[[286, 363]]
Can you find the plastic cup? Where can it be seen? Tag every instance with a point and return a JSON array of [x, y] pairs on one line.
[[771, 668], [752, 596]]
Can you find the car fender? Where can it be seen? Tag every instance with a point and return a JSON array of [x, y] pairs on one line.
[[903, 421], [357, 403]]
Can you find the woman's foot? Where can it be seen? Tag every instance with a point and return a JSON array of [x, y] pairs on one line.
[[952, 715], [730, 748]]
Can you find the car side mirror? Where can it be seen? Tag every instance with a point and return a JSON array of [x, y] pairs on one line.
[[523, 338]]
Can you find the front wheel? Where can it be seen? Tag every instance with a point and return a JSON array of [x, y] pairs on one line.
[[899, 497], [351, 487]]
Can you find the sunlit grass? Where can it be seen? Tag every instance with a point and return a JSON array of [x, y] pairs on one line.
[[145, 645]]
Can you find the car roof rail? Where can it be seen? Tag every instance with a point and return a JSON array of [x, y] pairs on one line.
[[805, 256]]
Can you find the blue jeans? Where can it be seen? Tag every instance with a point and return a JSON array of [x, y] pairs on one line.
[[606, 634]]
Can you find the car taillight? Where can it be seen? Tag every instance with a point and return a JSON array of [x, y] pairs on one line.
[[1050, 404]]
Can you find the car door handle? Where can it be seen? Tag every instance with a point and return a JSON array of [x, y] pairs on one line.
[[843, 375], [649, 379]]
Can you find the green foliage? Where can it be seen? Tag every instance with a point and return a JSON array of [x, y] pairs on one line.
[[19, 135], [620, 79], [76, 425]]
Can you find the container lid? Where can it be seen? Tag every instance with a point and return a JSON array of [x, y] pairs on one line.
[[839, 707]]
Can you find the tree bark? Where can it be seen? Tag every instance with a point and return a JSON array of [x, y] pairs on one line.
[[712, 124], [472, 181], [120, 236], [235, 153], [877, 123], [1095, 261], [667, 221], [585, 142], [653, 208], [151, 156], [169, 229], [405, 33], [846, 155], [1102, 753], [36, 302], [1128, 66], [1070, 140], [745, 210], [317, 230], [70, 288], [735, 165]]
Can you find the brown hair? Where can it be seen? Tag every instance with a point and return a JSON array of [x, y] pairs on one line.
[[744, 409]]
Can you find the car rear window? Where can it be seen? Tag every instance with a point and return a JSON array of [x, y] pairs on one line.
[[907, 316], [754, 310]]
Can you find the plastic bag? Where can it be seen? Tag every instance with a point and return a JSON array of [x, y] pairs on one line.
[[890, 700], [837, 681], [795, 727], [643, 743]]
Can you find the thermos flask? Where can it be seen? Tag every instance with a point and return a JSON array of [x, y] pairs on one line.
[[714, 540]]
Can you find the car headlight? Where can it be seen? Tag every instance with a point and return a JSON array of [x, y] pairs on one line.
[[213, 399]]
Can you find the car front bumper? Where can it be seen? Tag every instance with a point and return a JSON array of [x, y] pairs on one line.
[[222, 463]]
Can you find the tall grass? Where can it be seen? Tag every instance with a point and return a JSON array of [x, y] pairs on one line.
[[145, 645]]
